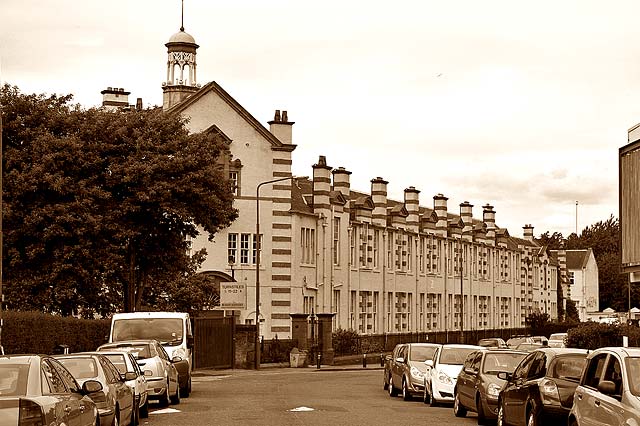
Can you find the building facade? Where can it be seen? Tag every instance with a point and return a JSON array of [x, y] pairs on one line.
[[583, 283], [379, 265]]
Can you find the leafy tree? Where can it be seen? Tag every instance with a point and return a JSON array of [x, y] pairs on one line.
[[99, 205], [560, 299], [572, 312], [553, 241], [537, 320]]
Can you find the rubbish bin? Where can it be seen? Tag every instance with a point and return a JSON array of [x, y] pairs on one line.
[[294, 358]]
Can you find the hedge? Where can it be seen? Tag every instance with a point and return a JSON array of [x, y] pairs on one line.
[[593, 335], [36, 332]]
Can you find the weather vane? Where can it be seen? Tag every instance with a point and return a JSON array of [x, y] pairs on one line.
[[182, 18]]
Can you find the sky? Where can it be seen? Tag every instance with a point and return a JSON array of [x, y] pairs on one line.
[[521, 105]]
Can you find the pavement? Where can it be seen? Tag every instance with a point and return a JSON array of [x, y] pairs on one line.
[[203, 372]]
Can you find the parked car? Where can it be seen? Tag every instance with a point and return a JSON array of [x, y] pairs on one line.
[[135, 379], [115, 400], [541, 387], [541, 340], [150, 355], [406, 367], [38, 390], [478, 385], [558, 340], [516, 340], [609, 390], [528, 347], [442, 372], [493, 342]]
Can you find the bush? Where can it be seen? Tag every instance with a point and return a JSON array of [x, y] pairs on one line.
[[37, 332], [592, 335], [345, 342]]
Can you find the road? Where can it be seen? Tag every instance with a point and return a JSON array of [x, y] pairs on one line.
[[301, 397]]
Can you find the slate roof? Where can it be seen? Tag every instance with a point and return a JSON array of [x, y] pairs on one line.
[[577, 259]]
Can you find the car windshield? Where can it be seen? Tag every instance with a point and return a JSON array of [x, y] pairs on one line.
[[455, 356], [13, 379], [80, 368], [422, 353], [168, 331], [633, 368], [491, 343], [568, 367], [139, 351], [516, 340], [495, 363], [559, 336], [119, 362]]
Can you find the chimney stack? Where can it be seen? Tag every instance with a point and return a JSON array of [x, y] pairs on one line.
[[281, 127], [466, 214], [440, 207], [412, 204], [489, 218], [379, 197], [321, 186], [528, 232]]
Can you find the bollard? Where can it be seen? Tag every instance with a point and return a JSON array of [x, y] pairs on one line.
[[364, 360], [318, 361], [381, 360]]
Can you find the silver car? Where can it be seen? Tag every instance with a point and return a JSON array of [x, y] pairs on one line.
[[609, 390], [150, 355], [134, 378]]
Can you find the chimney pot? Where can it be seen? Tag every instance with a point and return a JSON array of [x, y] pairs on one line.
[[285, 119], [277, 116], [139, 104]]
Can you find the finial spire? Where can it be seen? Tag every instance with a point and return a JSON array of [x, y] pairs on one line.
[[182, 18]]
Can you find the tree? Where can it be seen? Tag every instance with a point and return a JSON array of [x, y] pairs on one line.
[[537, 320], [99, 206], [553, 241], [560, 298], [572, 312]]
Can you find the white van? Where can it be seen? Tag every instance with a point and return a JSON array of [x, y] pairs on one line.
[[171, 329]]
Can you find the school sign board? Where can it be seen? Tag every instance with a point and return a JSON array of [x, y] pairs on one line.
[[233, 295], [629, 188]]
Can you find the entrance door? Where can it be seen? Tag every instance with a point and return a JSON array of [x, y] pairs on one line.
[[213, 342]]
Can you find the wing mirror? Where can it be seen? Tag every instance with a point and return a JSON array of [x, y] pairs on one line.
[[91, 386], [400, 360], [129, 375], [176, 359], [148, 373], [469, 370], [429, 363], [504, 376], [607, 387]]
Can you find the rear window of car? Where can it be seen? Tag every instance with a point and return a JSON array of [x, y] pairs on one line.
[[633, 369], [567, 367], [138, 351], [80, 368], [422, 353], [119, 362], [13, 379], [497, 362], [455, 356]]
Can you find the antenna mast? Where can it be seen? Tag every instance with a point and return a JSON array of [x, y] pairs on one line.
[[182, 18]]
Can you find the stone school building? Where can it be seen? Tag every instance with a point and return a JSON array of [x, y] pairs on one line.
[[378, 265]]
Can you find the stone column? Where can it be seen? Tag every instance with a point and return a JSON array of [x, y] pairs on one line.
[[325, 322], [299, 330]]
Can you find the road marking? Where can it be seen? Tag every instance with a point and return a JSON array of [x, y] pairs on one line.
[[209, 378], [300, 409], [165, 411]]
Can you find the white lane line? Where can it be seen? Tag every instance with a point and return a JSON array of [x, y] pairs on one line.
[[165, 411], [301, 409]]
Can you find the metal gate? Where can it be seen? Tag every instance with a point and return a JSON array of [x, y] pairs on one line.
[[213, 346]]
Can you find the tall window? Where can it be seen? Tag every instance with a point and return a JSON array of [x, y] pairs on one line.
[[336, 307], [409, 253], [233, 179], [376, 248], [352, 241], [421, 256], [375, 311], [244, 248], [232, 247], [254, 251], [308, 245], [336, 241], [309, 304], [390, 250]]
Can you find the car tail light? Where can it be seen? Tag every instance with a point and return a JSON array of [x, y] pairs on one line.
[[30, 414], [549, 392]]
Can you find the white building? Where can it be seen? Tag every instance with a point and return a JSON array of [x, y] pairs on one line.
[[380, 265]]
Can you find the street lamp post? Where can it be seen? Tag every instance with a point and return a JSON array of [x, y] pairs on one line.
[[258, 250]]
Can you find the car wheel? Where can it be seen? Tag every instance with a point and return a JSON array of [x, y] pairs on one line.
[[426, 398], [186, 390], [116, 421], [392, 390], [458, 409], [144, 410], [406, 395], [135, 414], [482, 419], [175, 398], [501, 421], [434, 403], [385, 381], [164, 399], [532, 418], [573, 422]]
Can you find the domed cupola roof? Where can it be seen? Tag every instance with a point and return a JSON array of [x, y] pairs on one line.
[[182, 37]]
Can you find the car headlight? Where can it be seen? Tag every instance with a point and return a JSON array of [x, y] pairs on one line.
[[493, 390], [416, 374], [179, 352], [444, 378]]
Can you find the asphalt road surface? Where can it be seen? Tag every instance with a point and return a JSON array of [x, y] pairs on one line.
[[301, 397]]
